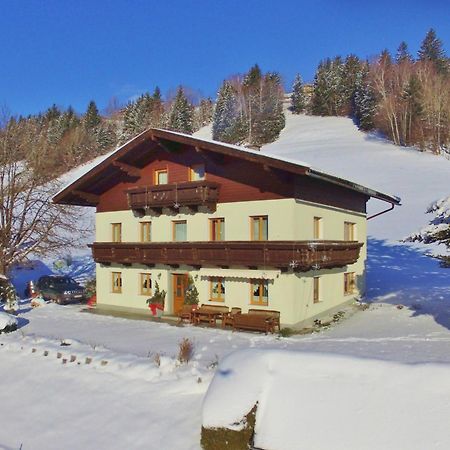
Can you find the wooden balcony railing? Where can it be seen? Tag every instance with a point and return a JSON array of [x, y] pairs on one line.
[[299, 256], [176, 195]]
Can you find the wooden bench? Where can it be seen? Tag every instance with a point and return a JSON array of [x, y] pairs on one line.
[[210, 314], [253, 322], [227, 319], [274, 315], [186, 313]]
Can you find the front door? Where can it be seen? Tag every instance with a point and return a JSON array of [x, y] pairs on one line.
[[180, 284]]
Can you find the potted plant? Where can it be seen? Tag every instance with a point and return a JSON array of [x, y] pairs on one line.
[[156, 301], [191, 294]]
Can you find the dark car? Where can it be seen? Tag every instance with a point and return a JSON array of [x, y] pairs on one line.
[[60, 289]]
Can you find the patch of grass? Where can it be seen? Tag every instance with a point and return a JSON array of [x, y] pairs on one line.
[[223, 438]]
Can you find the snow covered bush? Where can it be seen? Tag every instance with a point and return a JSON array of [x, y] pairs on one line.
[[438, 231], [8, 294]]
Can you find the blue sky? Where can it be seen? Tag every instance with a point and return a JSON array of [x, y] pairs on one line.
[[69, 52]]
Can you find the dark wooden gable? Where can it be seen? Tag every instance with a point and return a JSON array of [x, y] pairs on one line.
[[239, 180]]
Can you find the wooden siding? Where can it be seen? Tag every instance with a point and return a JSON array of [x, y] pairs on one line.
[[239, 180], [296, 255]]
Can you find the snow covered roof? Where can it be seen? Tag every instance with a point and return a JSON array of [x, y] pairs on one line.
[[70, 194]]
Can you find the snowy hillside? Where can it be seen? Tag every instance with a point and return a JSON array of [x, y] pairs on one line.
[[335, 145]]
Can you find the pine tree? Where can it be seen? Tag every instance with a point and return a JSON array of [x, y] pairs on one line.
[[432, 50], [105, 137], [157, 115], [269, 119], [52, 113], [385, 57], [157, 94], [438, 230], [130, 123], [204, 113], [413, 98], [226, 119], [364, 102], [403, 54], [350, 74], [253, 77], [298, 99], [329, 96], [181, 114], [92, 117], [60, 124]]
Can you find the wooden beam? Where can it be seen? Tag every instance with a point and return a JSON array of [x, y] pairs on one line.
[[129, 170], [89, 197], [169, 146]]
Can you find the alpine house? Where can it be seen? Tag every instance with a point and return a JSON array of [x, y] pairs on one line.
[[248, 229]]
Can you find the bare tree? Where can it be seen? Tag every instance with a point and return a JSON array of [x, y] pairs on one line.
[[29, 222]]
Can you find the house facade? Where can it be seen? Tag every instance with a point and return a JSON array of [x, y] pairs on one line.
[[247, 229]]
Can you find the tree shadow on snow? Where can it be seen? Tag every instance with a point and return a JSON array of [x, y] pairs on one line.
[[401, 274]]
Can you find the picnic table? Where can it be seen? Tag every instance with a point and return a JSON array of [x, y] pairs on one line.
[[206, 314]]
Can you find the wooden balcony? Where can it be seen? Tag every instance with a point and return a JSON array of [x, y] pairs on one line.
[[299, 256], [191, 194]]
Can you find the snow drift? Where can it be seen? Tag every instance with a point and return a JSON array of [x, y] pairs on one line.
[[322, 401]]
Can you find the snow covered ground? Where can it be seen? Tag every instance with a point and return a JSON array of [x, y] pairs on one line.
[[105, 389], [359, 403]]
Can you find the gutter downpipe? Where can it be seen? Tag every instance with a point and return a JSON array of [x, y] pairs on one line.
[[382, 212]]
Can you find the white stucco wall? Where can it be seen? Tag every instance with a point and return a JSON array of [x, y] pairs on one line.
[[290, 293]]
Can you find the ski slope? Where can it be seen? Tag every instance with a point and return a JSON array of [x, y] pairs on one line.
[[335, 145]]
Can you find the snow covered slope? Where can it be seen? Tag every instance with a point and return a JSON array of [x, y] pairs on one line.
[[335, 145]]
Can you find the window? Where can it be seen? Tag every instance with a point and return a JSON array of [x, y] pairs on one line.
[[217, 228], [217, 290], [146, 228], [349, 231], [116, 232], [259, 292], [349, 283], [146, 284], [316, 295], [116, 282], [179, 232], [259, 228], [318, 228], [161, 176], [197, 172]]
